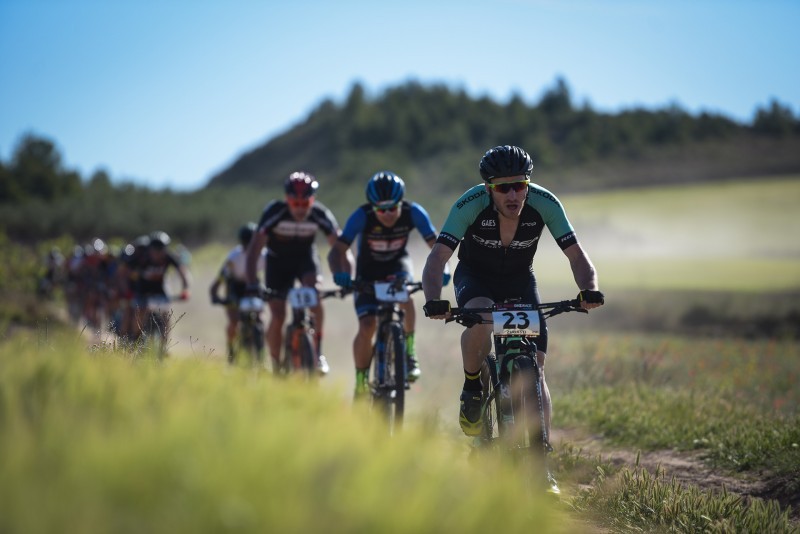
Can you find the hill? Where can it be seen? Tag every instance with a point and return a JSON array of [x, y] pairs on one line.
[[424, 132]]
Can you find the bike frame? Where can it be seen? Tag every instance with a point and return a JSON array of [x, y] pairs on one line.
[[389, 375], [299, 345], [514, 355]]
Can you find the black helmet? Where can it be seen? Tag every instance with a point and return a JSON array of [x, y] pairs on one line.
[[385, 188], [301, 185], [246, 233], [159, 239], [503, 161]]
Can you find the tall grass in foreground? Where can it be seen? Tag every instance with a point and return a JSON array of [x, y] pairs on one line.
[[103, 443]]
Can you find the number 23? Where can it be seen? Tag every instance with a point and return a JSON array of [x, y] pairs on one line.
[[524, 322]]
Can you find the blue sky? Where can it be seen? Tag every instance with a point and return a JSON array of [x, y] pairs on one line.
[[168, 92]]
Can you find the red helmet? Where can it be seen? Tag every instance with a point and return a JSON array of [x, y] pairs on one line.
[[301, 185]]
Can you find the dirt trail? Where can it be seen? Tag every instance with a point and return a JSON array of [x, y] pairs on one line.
[[686, 468]]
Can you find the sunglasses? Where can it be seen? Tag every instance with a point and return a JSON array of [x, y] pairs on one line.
[[390, 209], [517, 187], [299, 202]]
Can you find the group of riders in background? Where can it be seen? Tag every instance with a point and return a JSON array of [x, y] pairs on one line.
[[108, 287]]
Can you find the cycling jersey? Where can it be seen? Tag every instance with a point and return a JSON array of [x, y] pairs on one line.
[[287, 237], [233, 271], [382, 249], [234, 266], [291, 249], [473, 223], [151, 274]]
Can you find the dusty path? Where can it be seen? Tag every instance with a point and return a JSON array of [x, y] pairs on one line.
[[687, 468]]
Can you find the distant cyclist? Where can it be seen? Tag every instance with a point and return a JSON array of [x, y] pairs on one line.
[[288, 229], [150, 275], [382, 227], [496, 226], [233, 275]]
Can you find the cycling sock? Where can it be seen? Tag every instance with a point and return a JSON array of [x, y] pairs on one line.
[[362, 376], [410, 348], [472, 381], [319, 343]]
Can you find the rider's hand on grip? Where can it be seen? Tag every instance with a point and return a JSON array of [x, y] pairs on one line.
[[216, 300], [591, 297], [343, 280], [434, 308]]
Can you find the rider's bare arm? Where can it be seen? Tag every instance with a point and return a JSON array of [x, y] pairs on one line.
[[340, 258], [432, 273], [583, 271], [258, 242]]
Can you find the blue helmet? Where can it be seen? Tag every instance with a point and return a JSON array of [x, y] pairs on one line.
[[385, 188]]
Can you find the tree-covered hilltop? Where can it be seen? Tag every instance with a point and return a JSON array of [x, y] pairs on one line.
[[433, 136]]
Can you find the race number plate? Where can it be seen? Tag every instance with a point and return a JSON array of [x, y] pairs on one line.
[[303, 297], [251, 304], [386, 292], [158, 303], [516, 323]]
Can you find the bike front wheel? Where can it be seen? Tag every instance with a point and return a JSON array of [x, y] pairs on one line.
[[299, 350], [389, 376]]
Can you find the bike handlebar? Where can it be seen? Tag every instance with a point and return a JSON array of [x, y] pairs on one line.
[[369, 286], [471, 316]]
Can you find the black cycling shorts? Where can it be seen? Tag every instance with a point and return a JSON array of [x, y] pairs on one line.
[[366, 303], [469, 285], [281, 274]]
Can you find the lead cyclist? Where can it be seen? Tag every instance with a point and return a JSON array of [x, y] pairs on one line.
[[496, 226]]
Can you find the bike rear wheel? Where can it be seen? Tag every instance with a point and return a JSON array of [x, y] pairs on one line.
[[251, 331]]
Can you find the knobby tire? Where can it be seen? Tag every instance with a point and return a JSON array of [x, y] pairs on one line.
[[390, 385]]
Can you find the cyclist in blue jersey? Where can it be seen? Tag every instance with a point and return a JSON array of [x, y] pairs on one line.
[[383, 226], [496, 226], [288, 229]]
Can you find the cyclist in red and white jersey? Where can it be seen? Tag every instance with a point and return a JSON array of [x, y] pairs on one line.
[[288, 229]]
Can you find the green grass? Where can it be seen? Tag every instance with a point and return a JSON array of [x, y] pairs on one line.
[[104, 442], [735, 401], [728, 236]]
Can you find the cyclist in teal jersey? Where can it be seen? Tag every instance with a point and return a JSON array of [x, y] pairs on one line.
[[496, 226]]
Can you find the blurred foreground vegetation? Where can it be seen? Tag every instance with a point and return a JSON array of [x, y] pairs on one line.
[[102, 442]]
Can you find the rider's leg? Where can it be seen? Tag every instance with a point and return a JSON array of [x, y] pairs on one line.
[[277, 309], [362, 352], [476, 342], [411, 351], [230, 331], [475, 346]]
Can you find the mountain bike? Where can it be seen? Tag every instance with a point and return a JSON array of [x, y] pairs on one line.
[[157, 323], [513, 408], [389, 374], [250, 330], [300, 353]]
